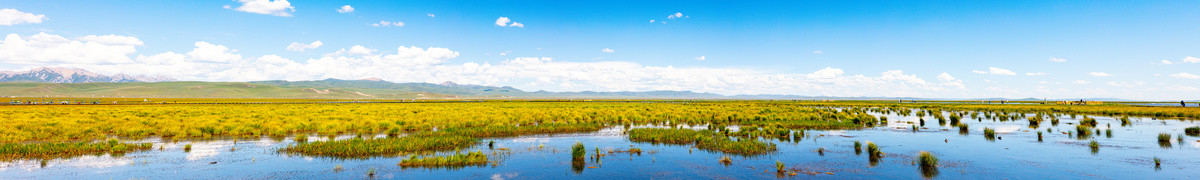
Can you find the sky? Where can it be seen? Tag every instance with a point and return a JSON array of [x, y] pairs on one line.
[[1142, 50]]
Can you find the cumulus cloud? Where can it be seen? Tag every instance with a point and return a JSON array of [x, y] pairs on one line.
[[1190, 59], [504, 21], [1164, 61], [676, 15], [45, 48], [301, 47], [996, 71], [1185, 76], [1035, 74], [1054, 59], [1099, 74], [345, 9], [213, 62], [388, 24], [269, 7], [607, 50], [701, 58], [827, 73], [9, 17]]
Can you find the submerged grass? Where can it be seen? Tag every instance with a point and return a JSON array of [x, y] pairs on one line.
[[1192, 131], [476, 158], [18, 151], [705, 140], [362, 148]]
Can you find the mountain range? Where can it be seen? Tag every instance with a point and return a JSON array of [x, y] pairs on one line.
[[75, 82], [72, 75]]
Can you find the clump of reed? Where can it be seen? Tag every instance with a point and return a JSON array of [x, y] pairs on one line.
[[18, 151], [1125, 121], [578, 151], [873, 150], [187, 148], [821, 151], [1164, 139], [1083, 132], [1039, 136], [779, 167], [362, 148], [1095, 146], [1088, 121], [1108, 133], [926, 160], [1192, 131], [1157, 162], [857, 147], [476, 158], [963, 129], [989, 134], [725, 160]]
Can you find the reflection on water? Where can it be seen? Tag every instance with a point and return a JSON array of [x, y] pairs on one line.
[[1127, 154]]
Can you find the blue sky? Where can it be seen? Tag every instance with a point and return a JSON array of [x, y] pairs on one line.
[[940, 48]]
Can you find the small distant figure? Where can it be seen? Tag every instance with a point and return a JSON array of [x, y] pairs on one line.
[[1182, 104]]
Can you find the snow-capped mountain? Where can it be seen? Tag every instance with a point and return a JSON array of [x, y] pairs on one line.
[[72, 75]]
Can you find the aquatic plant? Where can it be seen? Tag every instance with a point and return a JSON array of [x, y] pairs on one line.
[[873, 150], [1164, 140], [1108, 133], [338, 168], [963, 129], [1039, 136], [725, 160], [1192, 131], [821, 151], [1095, 146], [371, 172], [476, 158], [779, 167], [857, 147], [187, 148], [362, 148], [989, 133], [1088, 121], [31, 151], [705, 140], [1082, 131], [926, 160], [1157, 162], [578, 151], [301, 138], [1125, 121]]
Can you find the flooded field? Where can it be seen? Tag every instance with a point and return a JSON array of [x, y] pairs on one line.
[[1015, 152]]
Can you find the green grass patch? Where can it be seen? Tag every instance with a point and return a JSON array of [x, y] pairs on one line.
[[704, 140], [18, 151], [362, 148], [476, 158]]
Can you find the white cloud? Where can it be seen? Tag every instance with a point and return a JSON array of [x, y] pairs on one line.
[[1099, 74], [430, 15], [607, 50], [1054, 59], [504, 21], [345, 9], [301, 47], [827, 73], [268, 7], [47, 49], [996, 71], [1185, 76], [950, 81], [388, 24], [1164, 61], [676, 15], [9, 17], [701, 58], [1035, 74], [818, 52], [651, 21], [113, 40], [1190, 59], [1081, 82], [208, 52]]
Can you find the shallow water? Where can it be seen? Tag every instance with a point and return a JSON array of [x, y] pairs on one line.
[[1016, 154]]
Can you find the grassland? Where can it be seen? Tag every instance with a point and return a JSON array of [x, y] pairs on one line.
[[16, 151], [423, 127]]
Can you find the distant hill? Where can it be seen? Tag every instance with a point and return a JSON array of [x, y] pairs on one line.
[[72, 75], [452, 88], [191, 89]]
